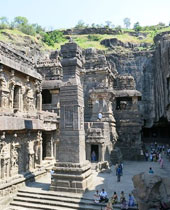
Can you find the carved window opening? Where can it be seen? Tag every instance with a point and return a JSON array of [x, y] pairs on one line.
[[123, 103], [46, 97], [16, 98]]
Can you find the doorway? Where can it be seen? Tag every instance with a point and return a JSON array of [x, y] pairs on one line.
[[94, 153], [44, 145]]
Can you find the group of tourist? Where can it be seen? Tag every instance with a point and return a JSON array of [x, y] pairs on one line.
[[155, 154], [103, 197], [100, 196]]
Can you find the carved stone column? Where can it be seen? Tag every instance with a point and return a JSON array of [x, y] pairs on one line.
[[72, 172]]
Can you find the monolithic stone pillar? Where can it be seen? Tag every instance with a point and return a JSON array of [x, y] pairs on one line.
[[73, 171]]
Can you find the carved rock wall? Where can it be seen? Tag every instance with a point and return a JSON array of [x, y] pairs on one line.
[[161, 76], [141, 66]]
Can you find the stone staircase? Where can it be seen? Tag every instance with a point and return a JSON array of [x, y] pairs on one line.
[[49, 200]]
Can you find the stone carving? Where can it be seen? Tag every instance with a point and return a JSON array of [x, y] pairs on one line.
[[69, 116], [14, 156], [31, 163], [4, 150]]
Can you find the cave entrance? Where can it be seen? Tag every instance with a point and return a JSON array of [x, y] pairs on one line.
[[158, 133]]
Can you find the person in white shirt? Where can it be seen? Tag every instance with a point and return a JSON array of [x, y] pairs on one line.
[[100, 116], [103, 196]]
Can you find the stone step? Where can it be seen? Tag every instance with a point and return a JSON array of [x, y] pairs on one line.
[[37, 199], [57, 198], [51, 204], [16, 205], [54, 193]]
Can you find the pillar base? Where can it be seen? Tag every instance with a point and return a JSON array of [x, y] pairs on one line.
[[71, 177]]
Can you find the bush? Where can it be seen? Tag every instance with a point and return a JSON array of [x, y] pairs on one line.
[[4, 23], [93, 37], [27, 29], [137, 27], [53, 37]]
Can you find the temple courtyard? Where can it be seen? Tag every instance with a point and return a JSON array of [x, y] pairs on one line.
[[108, 179]]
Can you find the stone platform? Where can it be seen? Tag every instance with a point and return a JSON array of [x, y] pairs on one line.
[[71, 177]]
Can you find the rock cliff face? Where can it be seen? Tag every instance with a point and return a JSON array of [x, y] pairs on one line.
[[140, 65], [162, 76]]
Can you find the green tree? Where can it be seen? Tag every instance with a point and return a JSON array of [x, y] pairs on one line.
[[38, 28], [93, 25], [108, 23], [19, 21], [28, 29], [127, 22], [137, 27], [4, 23], [80, 24]]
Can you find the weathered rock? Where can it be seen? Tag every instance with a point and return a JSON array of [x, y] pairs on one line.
[[151, 190]]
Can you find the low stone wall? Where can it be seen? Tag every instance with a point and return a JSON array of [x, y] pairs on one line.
[[8, 188]]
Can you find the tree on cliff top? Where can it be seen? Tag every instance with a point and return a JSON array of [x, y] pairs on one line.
[[80, 24], [137, 26], [4, 23], [127, 22]]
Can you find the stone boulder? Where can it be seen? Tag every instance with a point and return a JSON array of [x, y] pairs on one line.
[[151, 190]]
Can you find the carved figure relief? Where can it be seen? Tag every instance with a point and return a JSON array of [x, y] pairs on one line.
[[14, 156], [29, 100]]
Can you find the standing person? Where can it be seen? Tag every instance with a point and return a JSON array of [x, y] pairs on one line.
[[163, 149], [116, 167], [93, 156], [51, 173], [121, 168], [161, 163], [100, 116], [151, 157], [119, 171], [146, 155], [159, 157]]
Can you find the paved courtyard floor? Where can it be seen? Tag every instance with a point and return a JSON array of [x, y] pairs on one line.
[[108, 181]]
